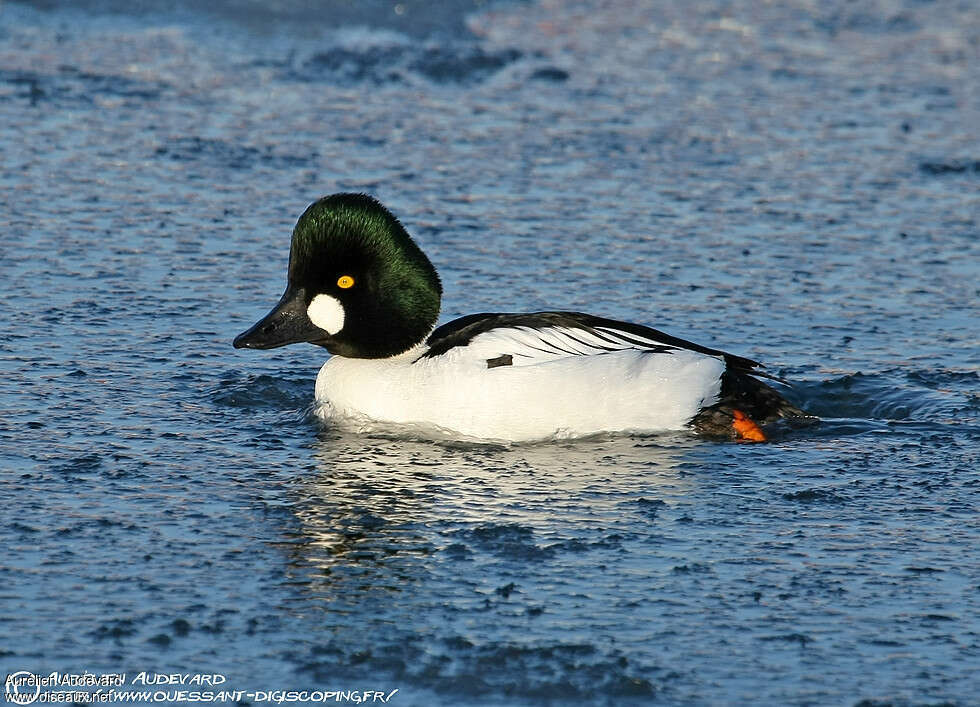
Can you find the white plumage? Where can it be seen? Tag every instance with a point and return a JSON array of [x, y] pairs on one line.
[[563, 382]]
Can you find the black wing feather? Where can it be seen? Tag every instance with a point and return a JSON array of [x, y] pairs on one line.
[[460, 332]]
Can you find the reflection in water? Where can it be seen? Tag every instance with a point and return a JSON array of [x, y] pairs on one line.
[[374, 498], [432, 559]]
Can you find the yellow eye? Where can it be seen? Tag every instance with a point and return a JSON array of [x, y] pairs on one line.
[[345, 282]]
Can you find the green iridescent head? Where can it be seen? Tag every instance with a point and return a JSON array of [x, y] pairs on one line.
[[357, 284]]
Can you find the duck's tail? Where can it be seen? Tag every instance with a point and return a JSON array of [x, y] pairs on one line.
[[744, 408]]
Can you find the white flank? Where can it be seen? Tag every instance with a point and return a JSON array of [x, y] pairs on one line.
[[327, 313], [557, 386]]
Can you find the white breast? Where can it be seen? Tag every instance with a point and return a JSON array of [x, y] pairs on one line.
[[627, 390]]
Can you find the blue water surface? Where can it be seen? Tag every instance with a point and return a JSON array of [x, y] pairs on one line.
[[797, 182]]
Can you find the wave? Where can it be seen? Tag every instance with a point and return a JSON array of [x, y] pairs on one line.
[[894, 395]]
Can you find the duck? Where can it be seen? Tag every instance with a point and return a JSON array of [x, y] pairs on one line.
[[359, 286]]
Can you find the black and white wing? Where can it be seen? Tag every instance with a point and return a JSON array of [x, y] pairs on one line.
[[525, 339]]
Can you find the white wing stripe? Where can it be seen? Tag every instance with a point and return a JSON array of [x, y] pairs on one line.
[[633, 339], [530, 345], [560, 339]]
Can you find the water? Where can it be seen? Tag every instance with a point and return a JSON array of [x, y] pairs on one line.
[[794, 182]]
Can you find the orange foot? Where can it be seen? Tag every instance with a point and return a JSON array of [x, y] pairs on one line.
[[745, 428]]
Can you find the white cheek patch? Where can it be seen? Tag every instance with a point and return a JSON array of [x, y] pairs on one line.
[[327, 313]]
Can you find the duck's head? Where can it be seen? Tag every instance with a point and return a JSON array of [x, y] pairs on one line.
[[357, 284]]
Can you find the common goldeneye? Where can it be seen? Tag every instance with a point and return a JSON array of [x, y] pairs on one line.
[[359, 286]]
